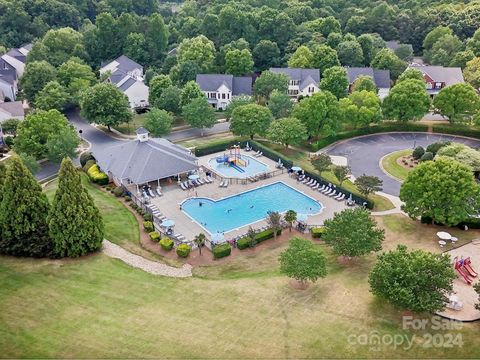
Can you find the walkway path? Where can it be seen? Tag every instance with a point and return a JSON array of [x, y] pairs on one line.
[[152, 267]]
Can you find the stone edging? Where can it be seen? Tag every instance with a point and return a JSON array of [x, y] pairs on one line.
[[380, 165]]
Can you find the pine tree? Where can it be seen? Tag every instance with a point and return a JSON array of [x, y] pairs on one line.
[[75, 224], [23, 214]]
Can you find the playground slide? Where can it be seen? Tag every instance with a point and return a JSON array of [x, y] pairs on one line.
[[463, 273], [241, 162], [468, 267], [222, 159], [236, 167]]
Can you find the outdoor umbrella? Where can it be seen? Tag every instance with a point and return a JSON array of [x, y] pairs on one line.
[[302, 217], [194, 177], [168, 223], [217, 237], [444, 235], [296, 168]]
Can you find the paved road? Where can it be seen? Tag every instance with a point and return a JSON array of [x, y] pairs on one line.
[[364, 153], [193, 133]]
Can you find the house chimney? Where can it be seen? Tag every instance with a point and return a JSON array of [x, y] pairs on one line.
[[142, 134]]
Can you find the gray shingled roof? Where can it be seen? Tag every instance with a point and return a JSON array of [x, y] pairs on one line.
[[242, 85], [15, 53], [14, 108], [142, 162], [300, 74], [380, 77], [238, 85], [126, 85], [7, 77], [448, 75]]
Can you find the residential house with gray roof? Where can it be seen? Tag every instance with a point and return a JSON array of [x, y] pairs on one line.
[[127, 76], [302, 82], [381, 78], [11, 110], [16, 58], [219, 89], [144, 160], [438, 77]]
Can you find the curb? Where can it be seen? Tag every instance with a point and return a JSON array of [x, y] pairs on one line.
[[380, 165]]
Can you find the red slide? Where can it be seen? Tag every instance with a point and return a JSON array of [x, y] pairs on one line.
[[463, 272], [467, 265]]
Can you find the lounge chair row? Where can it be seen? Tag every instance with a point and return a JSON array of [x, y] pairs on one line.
[[258, 153], [194, 183], [223, 183], [156, 212], [148, 193], [324, 189]]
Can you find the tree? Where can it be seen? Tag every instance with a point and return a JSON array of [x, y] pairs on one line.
[[290, 216], [62, 144], [280, 104], [75, 76], [75, 224], [3, 174], [199, 114], [274, 222], [472, 72], [458, 102], [368, 184], [52, 96], [301, 58], [462, 153], [237, 100], [404, 52], [266, 54], [443, 190], [361, 108], [37, 74], [30, 162], [199, 240], [411, 74], [324, 57], [136, 48], [408, 100], [318, 112], [417, 280], [303, 261], [156, 37], [461, 58], [158, 122], [104, 104], [238, 62], [250, 120], [23, 214], [443, 50], [169, 100], [252, 237], [322, 162], [353, 233], [190, 92], [364, 82], [156, 87], [269, 81], [434, 35], [38, 133], [335, 81], [350, 53], [341, 173], [386, 59], [287, 131], [199, 50], [473, 44]]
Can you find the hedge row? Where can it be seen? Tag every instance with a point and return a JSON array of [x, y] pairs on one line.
[[244, 243], [457, 130], [317, 232], [271, 154], [97, 176], [384, 127], [220, 251]]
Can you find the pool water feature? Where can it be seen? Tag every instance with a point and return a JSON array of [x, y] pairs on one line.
[[252, 168], [248, 207]]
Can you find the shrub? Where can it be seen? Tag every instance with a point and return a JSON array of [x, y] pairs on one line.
[[154, 236], [118, 191], [244, 243], [166, 244], [86, 157], [433, 148], [97, 176], [148, 217], [148, 226], [127, 198], [457, 130], [418, 152], [9, 141], [183, 250], [428, 156], [88, 165], [317, 232], [220, 251]]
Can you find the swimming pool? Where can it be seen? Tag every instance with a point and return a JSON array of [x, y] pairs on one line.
[[248, 207], [253, 167]]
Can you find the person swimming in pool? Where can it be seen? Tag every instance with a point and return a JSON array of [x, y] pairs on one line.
[[200, 203], [251, 207]]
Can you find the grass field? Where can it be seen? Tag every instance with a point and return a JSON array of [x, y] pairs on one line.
[[390, 165], [99, 307]]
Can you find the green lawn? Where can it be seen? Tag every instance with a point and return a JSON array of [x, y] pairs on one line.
[[391, 166], [138, 121], [99, 307]]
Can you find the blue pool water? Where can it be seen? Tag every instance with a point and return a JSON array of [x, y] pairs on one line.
[[248, 207], [253, 167]]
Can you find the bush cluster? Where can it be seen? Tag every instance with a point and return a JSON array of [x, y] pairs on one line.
[[457, 130], [436, 146], [418, 152], [183, 250], [148, 226], [317, 232], [118, 191], [166, 244], [154, 236], [222, 250], [85, 158], [97, 176], [428, 156], [244, 243], [88, 165]]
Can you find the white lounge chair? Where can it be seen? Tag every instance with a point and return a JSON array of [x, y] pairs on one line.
[[309, 183], [333, 194], [315, 183], [326, 190], [159, 192], [179, 237], [221, 183], [226, 184], [307, 179], [316, 186], [329, 191], [321, 188], [340, 198]]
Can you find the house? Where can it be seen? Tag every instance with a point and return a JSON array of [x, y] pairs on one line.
[[144, 160], [11, 110], [8, 85], [16, 58], [219, 89], [438, 77], [127, 76], [302, 82], [381, 78]]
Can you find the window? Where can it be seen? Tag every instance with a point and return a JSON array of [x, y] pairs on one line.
[[292, 92], [438, 85], [223, 96]]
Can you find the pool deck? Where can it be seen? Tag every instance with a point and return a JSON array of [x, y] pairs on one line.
[[169, 203]]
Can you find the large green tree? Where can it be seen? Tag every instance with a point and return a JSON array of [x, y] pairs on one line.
[[364, 82], [37, 74], [190, 92], [303, 261], [335, 81], [386, 59], [236, 101], [472, 72], [158, 122], [52, 96], [324, 57], [23, 214], [459, 103], [280, 104], [266, 54], [361, 108], [353, 233], [199, 114], [104, 104], [199, 50], [407, 100], [443, 190], [75, 76], [287, 131], [238, 62], [350, 53], [269, 81], [250, 120], [156, 37], [75, 225], [62, 144], [301, 58], [443, 50], [368, 184], [411, 74], [419, 281], [169, 100], [156, 87]]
